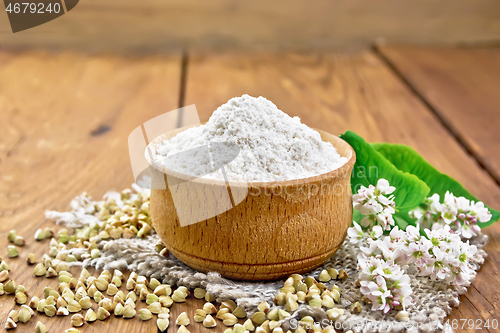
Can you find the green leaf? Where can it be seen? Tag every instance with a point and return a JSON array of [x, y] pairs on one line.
[[401, 222], [408, 160], [370, 166], [356, 216]]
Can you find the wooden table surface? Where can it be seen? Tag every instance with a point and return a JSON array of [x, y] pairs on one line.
[[66, 118]]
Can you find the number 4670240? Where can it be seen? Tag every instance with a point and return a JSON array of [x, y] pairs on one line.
[[31, 7], [472, 324]]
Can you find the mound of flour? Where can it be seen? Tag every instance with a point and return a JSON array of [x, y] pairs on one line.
[[272, 145]]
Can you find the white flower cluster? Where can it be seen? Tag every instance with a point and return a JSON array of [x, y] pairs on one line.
[[382, 280], [439, 253], [461, 214], [376, 204]]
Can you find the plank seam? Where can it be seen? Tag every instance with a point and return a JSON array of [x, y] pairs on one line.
[[16, 144], [487, 44], [492, 305], [454, 133], [182, 88]]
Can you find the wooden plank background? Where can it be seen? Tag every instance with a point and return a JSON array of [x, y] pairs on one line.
[[67, 118], [161, 26], [462, 85], [337, 92]]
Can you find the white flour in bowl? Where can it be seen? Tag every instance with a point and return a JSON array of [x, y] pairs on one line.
[[272, 145]]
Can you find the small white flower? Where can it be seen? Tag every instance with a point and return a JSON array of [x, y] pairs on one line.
[[479, 210], [449, 199], [355, 233], [402, 292], [365, 265], [377, 293], [466, 230], [388, 270], [385, 219], [384, 283], [397, 234], [413, 233], [439, 269], [466, 253], [434, 204], [375, 206], [368, 220], [463, 277], [389, 249], [462, 204], [376, 232], [386, 203], [372, 250], [364, 193], [460, 213], [448, 214], [369, 207], [384, 187], [439, 233], [418, 252]]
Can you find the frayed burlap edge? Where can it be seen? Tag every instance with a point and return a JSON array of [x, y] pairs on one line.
[[433, 299]]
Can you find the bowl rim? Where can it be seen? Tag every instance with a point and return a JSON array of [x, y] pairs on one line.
[[344, 169]]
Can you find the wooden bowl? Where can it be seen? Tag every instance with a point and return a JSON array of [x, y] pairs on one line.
[[277, 229]]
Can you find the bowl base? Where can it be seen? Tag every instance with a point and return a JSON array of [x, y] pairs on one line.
[[254, 272]]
